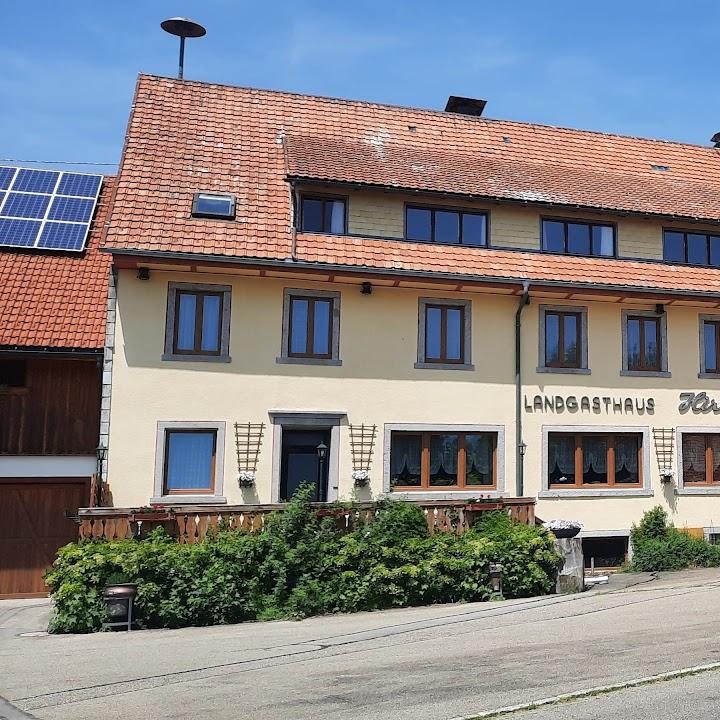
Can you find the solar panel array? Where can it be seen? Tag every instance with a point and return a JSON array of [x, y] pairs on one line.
[[46, 209]]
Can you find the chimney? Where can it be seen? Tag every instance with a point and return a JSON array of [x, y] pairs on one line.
[[716, 139], [465, 106]]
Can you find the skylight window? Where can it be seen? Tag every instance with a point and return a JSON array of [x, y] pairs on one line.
[[211, 205]]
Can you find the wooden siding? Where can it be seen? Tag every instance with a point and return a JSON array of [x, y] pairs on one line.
[[57, 413]]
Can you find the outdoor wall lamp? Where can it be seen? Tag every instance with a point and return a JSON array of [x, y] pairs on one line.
[[143, 273], [496, 570], [523, 447], [366, 288], [321, 451]]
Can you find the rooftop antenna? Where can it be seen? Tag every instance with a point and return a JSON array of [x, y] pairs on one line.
[[183, 28]]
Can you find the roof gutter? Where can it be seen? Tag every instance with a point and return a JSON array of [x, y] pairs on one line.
[[287, 264]]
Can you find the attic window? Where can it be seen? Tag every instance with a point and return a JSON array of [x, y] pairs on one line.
[[660, 168], [211, 205]]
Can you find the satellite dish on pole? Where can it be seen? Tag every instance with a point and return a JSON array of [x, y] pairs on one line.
[[183, 28]]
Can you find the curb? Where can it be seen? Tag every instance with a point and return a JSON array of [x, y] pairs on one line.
[[600, 690]]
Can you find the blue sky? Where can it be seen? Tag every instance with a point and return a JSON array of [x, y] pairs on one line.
[[644, 68]]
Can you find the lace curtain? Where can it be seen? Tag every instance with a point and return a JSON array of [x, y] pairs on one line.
[[561, 454], [405, 454], [694, 454]]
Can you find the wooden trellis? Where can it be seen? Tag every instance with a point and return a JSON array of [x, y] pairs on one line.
[[664, 448], [248, 439], [362, 444]]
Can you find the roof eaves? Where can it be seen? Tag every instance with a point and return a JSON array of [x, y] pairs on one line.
[[294, 265]]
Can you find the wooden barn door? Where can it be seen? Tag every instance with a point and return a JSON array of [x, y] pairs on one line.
[[33, 526]]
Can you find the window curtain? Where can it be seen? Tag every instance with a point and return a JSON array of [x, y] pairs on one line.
[[594, 455], [626, 454], [443, 454], [561, 454], [337, 218], [405, 453], [478, 454], [693, 449], [189, 460]]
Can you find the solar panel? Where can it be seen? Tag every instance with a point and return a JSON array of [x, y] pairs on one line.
[[6, 176], [46, 209], [19, 233], [26, 205]]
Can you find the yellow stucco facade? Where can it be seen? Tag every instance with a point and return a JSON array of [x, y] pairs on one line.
[[378, 384]]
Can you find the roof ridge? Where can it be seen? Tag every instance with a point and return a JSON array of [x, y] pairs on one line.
[[432, 111]]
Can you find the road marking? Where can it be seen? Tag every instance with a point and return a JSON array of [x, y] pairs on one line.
[[590, 692]]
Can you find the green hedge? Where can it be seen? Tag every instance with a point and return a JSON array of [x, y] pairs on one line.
[[299, 565], [658, 545]]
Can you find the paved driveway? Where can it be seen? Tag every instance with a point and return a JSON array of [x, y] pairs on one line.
[[436, 663]]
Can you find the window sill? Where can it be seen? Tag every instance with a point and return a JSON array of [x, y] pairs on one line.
[[709, 490], [563, 371], [196, 358], [443, 366], [708, 375], [189, 500], [440, 495], [308, 361], [646, 373], [576, 492]]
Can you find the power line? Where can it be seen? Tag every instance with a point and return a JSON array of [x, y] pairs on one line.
[[56, 162]]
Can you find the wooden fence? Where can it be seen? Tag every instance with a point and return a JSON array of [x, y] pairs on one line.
[[191, 524]]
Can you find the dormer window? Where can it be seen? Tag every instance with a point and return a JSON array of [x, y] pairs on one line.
[[213, 205], [323, 215]]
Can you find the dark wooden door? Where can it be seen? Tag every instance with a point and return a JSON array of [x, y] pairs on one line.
[[301, 465], [33, 526]]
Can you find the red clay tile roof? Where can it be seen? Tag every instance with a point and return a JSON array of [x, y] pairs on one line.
[[603, 185], [504, 265], [57, 300], [187, 136]]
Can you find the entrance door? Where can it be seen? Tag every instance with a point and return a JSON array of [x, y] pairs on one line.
[[33, 527], [301, 464]]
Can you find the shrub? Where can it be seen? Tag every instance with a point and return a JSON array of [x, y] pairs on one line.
[[658, 545], [300, 565]]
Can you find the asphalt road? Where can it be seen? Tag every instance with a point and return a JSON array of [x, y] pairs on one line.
[[432, 663]]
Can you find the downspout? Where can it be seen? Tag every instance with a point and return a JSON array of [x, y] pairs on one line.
[[519, 444]]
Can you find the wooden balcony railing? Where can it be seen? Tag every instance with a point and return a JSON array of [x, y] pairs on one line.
[[190, 524]]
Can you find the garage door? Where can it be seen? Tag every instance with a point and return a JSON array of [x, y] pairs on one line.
[[33, 526]]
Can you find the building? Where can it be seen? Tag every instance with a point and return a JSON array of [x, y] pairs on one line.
[[309, 288], [52, 336]]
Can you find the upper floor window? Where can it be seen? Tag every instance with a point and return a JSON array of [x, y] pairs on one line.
[[444, 334], [581, 460], [709, 345], [453, 227], [323, 215], [198, 322], [311, 327], [644, 342], [442, 461], [578, 238], [691, 248], [563, 339], [211, 205]]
